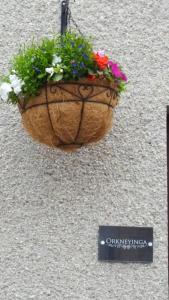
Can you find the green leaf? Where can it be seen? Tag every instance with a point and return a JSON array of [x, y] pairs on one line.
[[91, 72], [41, 75], [106, 72], [122, 87], [110, 78], [26, 78], [58, 77], [100, 72]]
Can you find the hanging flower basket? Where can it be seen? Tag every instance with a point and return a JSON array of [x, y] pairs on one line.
[[69, 115], [65, 91]]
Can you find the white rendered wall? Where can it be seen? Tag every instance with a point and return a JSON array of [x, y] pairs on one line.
[[52, 203]]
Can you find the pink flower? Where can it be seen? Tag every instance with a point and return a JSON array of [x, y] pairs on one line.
[[123, 76], [116, 71]]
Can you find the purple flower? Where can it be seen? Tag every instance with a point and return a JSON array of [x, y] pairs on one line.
[[80, 46], [36, 70], [85, 56], [82, 65], [75, 72], [74, 64]]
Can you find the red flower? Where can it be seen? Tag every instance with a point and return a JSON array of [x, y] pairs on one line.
[[91, 77], [101, 61]]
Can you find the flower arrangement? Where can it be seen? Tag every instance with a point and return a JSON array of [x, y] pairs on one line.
[[65, 90], [63, 58]]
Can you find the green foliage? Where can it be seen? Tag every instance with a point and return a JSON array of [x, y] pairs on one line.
[[76, 53], [122, 87], [31, 62], [13, 98]]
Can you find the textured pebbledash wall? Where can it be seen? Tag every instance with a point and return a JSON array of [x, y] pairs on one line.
[[52, 203]]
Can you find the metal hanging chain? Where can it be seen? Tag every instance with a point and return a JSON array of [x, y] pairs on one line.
[[70, 19], [66, 18]]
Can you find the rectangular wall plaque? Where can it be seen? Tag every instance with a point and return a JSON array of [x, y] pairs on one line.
[[125, 244]]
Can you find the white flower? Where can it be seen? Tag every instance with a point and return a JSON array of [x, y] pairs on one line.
[[101, 53], [50, 71], [16, 83], [5, 89], [56, 60]]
